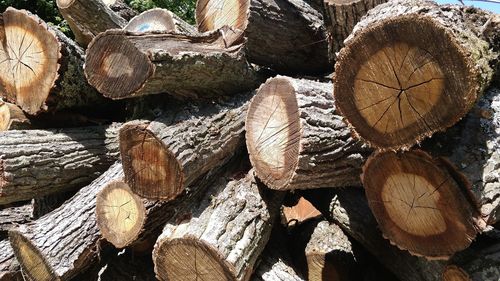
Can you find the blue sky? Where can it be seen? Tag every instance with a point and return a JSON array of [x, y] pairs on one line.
[[495, 7]]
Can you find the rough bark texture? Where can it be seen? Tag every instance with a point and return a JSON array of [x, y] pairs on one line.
[[62, 244], [123, 10], [287, 36], [159, 20], [88, 18], [425, 91], [228, 230], [473, 147], [297, 139], [340, 18], [123, 64], [12, 117], [9, 267], [161, 158], [36, 163], [11, 217]]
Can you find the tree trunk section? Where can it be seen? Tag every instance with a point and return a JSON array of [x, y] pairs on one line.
[[163, 157], [159, 20], [340, 18], [67, 241], [418, 204], [41, 68], [123, 64], [287, 36], [88, 18], [296, 138], [9, 267], [221, 237], [12, 117], [394, 85], [37, 163]]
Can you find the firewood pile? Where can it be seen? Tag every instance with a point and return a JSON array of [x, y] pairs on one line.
[[279, 140]]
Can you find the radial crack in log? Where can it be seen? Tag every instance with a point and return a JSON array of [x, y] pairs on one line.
[[296, 138], [394, 83], [418, 204]]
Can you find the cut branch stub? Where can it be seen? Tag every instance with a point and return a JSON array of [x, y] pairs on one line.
[[28, 60], [418, 204], [152, 20], [394, 84]]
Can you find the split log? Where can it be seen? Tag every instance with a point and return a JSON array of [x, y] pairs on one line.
[[159, 20], [340, 18], [163, 157], [122, 64], [87, 18], [9, 267], [36, 163], [220, 237], [12, 117], [296, 138], [418, 204], [287, 36], [11, 217], [41, 69], [64, 243], [394, 85], [473, 149]]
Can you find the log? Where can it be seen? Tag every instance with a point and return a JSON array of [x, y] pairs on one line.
[[163, 157], [122, 64], [41, 69], [9, 267], [418, 204], [287, 36], [11, 217], [159, 20], [221, 237], [472, 149], [121, 9], [12, 117], [65, 242], [296, 138], [392, 83], [340, 18], [87, 18], [37, 163]]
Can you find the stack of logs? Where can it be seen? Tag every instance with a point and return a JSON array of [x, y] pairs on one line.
[[147, 148]]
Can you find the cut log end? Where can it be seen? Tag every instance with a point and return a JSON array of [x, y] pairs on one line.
[[150, 168], [399, 89], [63, 4], [152, 20], [115, 67], [28, 60], [454, 273], [273, 132], [12, 117], [186, 259], [214, 14], [120, 214], [319, 268], [418, 204], [32, 261]]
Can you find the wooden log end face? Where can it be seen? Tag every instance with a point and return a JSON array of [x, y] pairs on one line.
[[115, 67], [395, 86], [185, 259], [273, 132], [214, 14], [418, 204], [454, 273], [120, 214], [29, 58], [151, 170], [32, 261], [4, 117], [64, 4], [319, 267], [152, 20]]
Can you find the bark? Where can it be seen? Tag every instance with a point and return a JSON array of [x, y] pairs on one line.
[[159, 20], [12, 117], [225, 232], [122, 64], [287, 36], [340, 18], [122, 9], [473, 148], [163, 157], [9, 267], [87, 18], [64, 243], [51, 76], [394, 85], [46, 204], [11, 217], [296, 138], [37, 163]]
